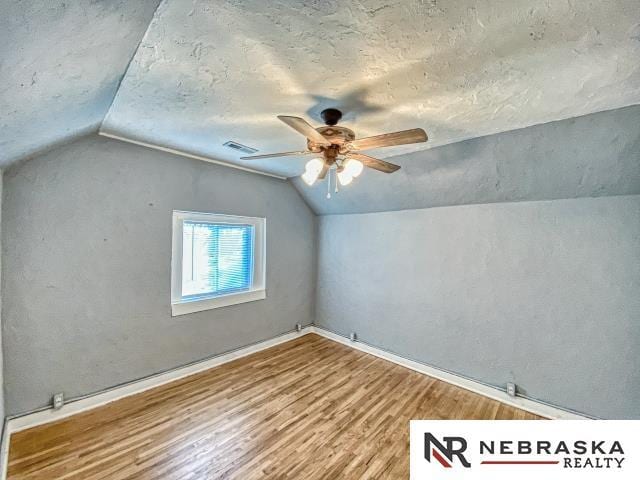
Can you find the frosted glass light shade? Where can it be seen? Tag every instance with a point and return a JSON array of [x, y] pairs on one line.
[[312, 171], [345, 178], [354, 167], [314, 165]]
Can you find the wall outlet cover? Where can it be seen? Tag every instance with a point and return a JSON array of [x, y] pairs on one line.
[[511, 389], [58, 401]]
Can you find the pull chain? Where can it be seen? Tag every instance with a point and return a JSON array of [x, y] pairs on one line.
[[329, 185], [335, 179]]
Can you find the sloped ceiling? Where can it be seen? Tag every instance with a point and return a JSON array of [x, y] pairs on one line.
[[60, 65], [211, 71], [589, 156], [468, 72]]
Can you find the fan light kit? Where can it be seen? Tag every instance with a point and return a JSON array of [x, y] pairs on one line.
[[338, 150]]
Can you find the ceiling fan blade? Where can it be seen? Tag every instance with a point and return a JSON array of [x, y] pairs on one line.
[[272, 155], [374, 163], [301, 126], [403, 137]]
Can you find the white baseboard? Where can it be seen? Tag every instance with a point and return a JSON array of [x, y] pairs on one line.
[[522, 403], [30, 420], [76, 406], [17, 424]]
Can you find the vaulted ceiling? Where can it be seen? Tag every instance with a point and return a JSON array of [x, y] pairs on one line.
[[589, 156], [207, 72], [210, 71], [60, 65]]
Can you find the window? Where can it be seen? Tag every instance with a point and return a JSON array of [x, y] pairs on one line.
[[218, 260]]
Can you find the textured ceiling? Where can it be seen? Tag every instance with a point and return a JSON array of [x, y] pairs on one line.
[[594, 155], [211, 71], [60, 66]]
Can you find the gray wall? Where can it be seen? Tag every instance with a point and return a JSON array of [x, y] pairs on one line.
[[545, 294], [1, 348], [541, 293], [86, 267]]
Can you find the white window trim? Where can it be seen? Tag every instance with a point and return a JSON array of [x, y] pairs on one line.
[[258, 288]]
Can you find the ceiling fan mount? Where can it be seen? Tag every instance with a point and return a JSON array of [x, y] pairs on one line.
[[340, 149], [331, 116]]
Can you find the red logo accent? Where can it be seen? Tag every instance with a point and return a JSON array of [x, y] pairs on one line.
[[440, 458]]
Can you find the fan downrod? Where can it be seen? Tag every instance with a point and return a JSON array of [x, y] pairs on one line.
[[331, 116]]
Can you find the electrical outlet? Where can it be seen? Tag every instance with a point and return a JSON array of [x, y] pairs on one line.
[[511, 389], [298, 327], [58, 401], [353, 336]]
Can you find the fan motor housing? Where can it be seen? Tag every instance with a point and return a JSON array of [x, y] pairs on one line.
[[336, 135]]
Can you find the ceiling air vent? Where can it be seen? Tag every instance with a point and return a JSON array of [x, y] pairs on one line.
[[239, 147]]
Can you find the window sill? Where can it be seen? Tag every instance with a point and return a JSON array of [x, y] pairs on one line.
[[192, 306]]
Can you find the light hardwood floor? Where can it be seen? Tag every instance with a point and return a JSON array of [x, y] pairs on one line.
[[307, 409]]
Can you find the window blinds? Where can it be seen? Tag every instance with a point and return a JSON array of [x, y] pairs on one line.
[[217, 258]]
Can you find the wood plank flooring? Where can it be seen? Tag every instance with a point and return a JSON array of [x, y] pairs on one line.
[[307, 409]]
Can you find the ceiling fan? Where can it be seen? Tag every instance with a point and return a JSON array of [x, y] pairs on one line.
[[339, 148]]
